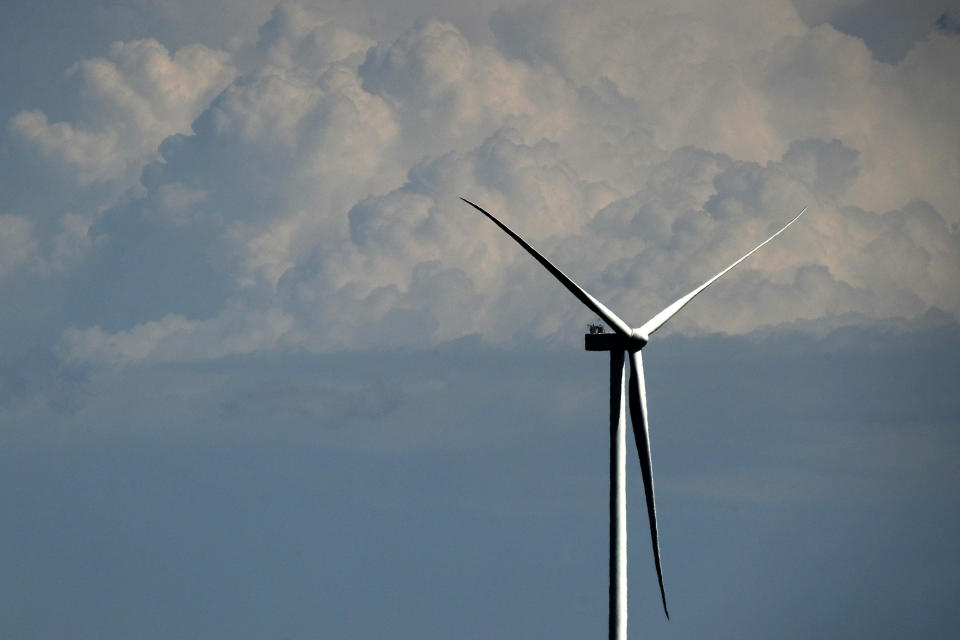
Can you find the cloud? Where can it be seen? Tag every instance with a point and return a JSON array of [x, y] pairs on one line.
[[296, 37], [829, 168], [689, 69], [748, 79], [16, 241], [128, 103], [450, 92], [175, 338], [90, 156], [64, 174], [827, 85], [302, 189]]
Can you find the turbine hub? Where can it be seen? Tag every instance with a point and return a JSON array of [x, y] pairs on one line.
[[637, 340]]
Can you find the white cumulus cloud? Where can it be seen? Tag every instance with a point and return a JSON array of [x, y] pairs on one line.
[[313, 176]]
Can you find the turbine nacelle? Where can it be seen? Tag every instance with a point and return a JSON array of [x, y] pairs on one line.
[[634, 341]]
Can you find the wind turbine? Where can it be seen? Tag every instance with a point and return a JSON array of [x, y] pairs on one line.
[[630, 340]]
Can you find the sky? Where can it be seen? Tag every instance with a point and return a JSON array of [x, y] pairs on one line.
[[262, 374]]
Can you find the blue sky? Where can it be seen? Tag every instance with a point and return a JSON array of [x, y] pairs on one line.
[[263, 375]]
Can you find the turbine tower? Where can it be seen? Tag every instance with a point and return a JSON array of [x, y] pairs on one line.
[[628, 341]]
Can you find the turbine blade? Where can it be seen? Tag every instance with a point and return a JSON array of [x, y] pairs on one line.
[[592, 303], [641, 434], [658, 320]]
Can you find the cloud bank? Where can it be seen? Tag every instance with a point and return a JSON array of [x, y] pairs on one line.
[[300, 190]]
